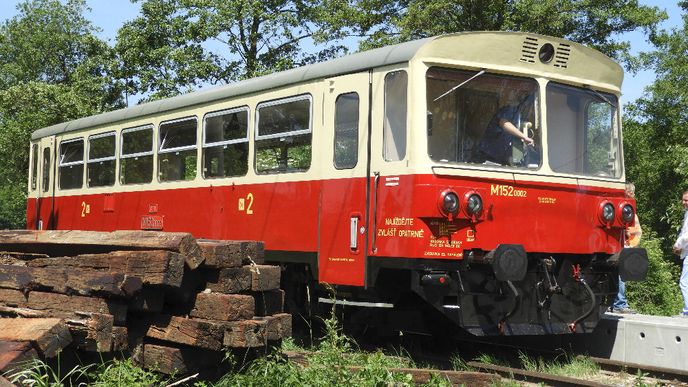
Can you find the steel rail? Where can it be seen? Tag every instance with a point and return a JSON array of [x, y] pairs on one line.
[[532, 376], [418, 375], [668, 374]]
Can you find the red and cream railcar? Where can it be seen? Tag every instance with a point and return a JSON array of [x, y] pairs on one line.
[[369, 173]]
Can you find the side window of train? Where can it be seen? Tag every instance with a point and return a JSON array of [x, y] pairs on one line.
[[225, 143], [346, 131], [34, 166], [394, 133], [71, 166], [177, 150], [45, 183], [136, 157], [100, 171], [283, 135]]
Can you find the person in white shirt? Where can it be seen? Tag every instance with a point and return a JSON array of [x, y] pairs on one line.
[[681, 248]]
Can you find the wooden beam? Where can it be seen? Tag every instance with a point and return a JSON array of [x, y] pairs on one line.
[[225, 307], [13, 353], [21, 312], [224, 254], [71, 242], [265, 277], [258, 331], [68, 280], [42, 304], [169, 359], [278, 326], [153, 267], [49, 335], [190, 331], [230, 280], [63, 306], [245, 334], [164, 359], [68, 306], [92, 332], [240, 279]]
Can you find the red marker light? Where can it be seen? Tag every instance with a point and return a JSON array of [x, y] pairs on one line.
[[442, 280]]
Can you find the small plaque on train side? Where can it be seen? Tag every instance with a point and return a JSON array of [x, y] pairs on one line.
[[152, 222]]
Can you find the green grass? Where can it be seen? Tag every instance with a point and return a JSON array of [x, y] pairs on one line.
[[572, 366], [492, 359], [125, 373], [459, 364], [327, 365], [38, 373]]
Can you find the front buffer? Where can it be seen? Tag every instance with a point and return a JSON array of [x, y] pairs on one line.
[[509, 292]]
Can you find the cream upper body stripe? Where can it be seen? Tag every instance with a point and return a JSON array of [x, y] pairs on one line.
[[318, 89]]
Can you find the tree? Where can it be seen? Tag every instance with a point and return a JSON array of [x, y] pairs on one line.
[[656, 139], [596, 23], [656, 154], [178, 45], [52, 69]]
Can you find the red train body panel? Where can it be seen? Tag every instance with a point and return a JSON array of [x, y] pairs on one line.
[[408, 222]]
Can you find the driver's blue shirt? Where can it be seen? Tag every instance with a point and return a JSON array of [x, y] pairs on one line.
[[496, 142]]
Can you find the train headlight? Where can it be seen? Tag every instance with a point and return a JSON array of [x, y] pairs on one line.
[[607, 212], [627, 213], [449, 203], [474, 204]]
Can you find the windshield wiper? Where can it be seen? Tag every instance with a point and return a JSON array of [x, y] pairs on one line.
[[481, 72], [600, 96]]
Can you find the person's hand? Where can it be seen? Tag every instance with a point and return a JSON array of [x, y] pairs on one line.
[[528, 141], [676, 251]]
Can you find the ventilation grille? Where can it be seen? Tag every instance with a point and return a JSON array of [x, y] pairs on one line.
[[529, 53], [529, 50], [561, 57]]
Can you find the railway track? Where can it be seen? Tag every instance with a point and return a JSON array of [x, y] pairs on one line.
[[612, 373], [510, 366], [483, 374], [667, 374]]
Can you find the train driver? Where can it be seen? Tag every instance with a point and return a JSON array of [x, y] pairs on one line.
[[496, 143]]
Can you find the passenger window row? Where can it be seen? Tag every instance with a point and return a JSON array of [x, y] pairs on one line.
[[283, 144]]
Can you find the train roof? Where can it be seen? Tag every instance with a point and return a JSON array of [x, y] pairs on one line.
[[610, 72]]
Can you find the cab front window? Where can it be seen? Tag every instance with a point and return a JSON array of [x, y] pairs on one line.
[[481, 118], [583, 131]]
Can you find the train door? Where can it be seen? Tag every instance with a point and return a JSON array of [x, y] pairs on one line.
[[45, 195], [342, 236]]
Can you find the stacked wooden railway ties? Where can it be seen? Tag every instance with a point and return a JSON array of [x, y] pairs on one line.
[[175, 304]]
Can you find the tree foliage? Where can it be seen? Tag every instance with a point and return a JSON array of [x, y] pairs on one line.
[[596, 23], [177, 45], [52, 69], [656, 155], [656, 139], [658, 294]]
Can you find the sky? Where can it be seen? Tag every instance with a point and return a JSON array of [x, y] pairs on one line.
[[109, 15]]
